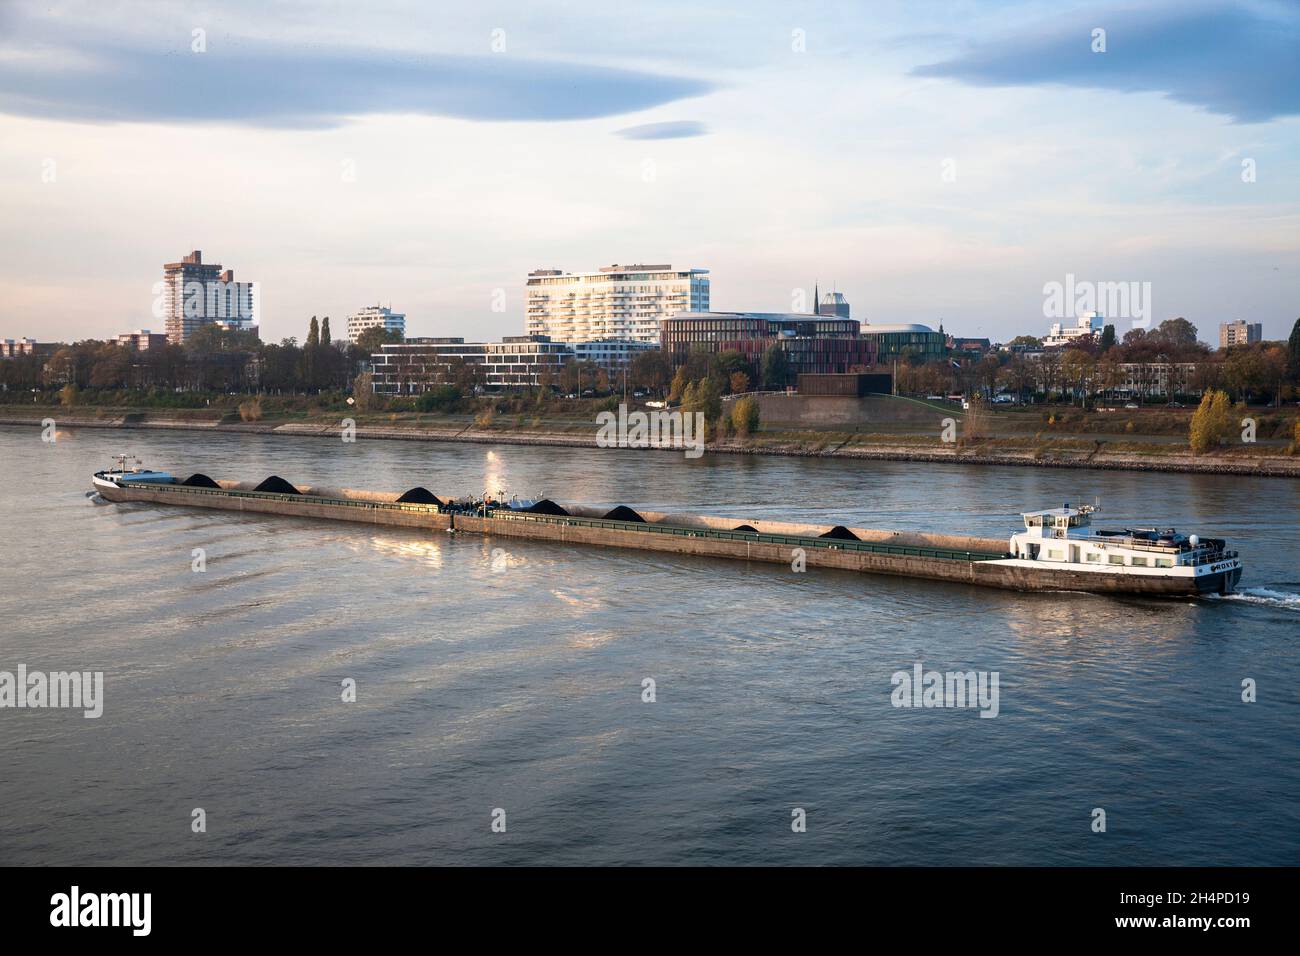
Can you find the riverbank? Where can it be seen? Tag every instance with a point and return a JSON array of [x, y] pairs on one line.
[[1026, 451]]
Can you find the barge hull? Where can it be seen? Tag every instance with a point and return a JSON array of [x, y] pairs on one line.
[[1040, 578], [932, 562], [938, 569], [413, 516]]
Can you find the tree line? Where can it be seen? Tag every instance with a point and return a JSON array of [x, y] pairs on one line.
[[211, 360], [1138, 365]]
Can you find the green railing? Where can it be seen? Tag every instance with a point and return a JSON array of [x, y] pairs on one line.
[[282, 496], [830, 544]]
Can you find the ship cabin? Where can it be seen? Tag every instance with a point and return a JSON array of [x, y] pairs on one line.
[[1066, 535]]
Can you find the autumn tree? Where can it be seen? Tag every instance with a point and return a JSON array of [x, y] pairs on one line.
[[744, 416], [678, 388], [652, 369], [1243, 371], [1025, 342], [1077, 369], [986, 372], [363, 391], [1176, 334], [374, 338], [1211, 422], [1293, 351], [728, 363], [111, 368], [708, 395], [776, 367]]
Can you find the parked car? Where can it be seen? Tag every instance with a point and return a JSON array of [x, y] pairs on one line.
[[1132, 405], [1175, 405]]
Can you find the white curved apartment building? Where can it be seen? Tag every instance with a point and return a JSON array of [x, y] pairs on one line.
[[614, 302]]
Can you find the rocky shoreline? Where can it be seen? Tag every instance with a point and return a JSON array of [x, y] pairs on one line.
[[1261, 465]]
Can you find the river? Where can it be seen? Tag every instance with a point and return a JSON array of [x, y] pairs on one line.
[[515, 681]]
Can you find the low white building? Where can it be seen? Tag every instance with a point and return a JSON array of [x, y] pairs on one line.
[[375, 316], [1134, 380], [24, 346], [518, 361], [142, 340], [1085, 327], [613, 355]]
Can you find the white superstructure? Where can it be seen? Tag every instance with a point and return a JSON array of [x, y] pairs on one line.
[[1063, 538], [129, 469]]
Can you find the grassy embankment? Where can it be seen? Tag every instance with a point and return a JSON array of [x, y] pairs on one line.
[[1044, 435]]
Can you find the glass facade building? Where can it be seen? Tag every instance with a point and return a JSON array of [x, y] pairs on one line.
[[812, 343], [420, 364]]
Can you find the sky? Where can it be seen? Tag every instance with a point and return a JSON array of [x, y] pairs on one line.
[[935, 162]]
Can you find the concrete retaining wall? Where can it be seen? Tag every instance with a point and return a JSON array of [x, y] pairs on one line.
[[822, 411]]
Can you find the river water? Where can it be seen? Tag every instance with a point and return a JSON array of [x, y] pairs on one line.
[[514, 681]]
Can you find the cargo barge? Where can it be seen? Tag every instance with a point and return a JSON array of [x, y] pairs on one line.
[[1056, 551]]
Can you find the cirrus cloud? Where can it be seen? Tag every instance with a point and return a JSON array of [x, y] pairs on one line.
[[675, 129], [1233, 59], [257, 83]]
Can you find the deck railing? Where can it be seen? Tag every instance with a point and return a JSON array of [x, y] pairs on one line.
[[1198, 555]]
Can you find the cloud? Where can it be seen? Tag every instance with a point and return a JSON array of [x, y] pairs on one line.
[[1227, 58], [677, 129], [257, 83]]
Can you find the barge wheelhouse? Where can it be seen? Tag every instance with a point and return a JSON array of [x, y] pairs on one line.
[[1064, 538]]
